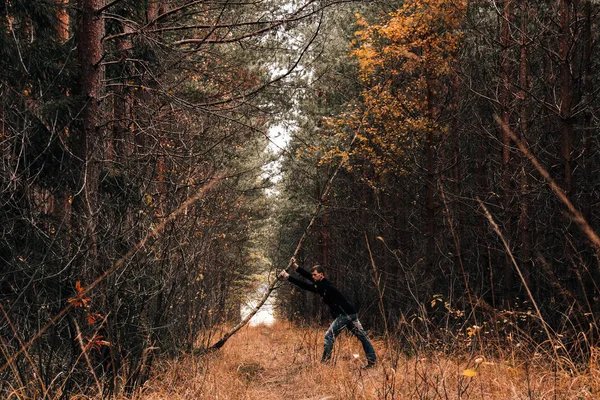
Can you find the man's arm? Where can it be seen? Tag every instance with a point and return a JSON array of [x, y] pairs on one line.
[[302, 271], [302, 284]]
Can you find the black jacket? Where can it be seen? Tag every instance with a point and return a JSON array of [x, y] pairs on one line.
[[334, 299]]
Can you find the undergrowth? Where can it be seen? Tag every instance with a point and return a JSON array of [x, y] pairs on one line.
[[282, 362]]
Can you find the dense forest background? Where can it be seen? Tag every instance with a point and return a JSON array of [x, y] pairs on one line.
[[142, 196]]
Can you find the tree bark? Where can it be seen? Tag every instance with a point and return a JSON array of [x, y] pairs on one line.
[[505, 94], [524, 114], [90, 146]]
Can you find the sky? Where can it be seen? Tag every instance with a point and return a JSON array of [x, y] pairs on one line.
[[264, 316]]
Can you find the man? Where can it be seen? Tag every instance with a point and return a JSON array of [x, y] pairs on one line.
[[343, 312]]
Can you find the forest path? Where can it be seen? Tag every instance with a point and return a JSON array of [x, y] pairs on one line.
[[270, 363], [281, 362]]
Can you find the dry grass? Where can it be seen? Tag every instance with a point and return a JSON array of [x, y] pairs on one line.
[[282, 362]]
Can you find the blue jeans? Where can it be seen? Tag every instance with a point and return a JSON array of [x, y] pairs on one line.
[[337, 326]]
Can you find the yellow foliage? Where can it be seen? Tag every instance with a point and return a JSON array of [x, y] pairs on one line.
[[406, 66], [148, 199]]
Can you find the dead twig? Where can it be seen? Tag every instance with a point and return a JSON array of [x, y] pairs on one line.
[[575, 214], [496, 229]]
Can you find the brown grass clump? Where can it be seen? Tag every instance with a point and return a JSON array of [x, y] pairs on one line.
[[282, 362]]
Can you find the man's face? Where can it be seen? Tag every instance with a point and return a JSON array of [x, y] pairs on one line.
[[317, 276]]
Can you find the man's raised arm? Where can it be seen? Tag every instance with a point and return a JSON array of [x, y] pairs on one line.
[[302, 271], [303, 285]]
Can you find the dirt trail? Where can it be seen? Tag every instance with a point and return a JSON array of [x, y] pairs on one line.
[[269, 363], [281, 362]]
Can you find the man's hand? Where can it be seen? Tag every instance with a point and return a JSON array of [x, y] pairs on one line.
[[293, 260], [283, 275]]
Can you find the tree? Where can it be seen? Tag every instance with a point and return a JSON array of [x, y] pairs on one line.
[[407, 64], [484, 59], [114, 115]]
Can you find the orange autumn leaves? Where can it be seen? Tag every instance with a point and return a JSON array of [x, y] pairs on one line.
[[420, 40], [80, 300], [406, 65]]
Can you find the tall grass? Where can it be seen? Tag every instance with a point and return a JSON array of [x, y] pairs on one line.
[[282, 362]]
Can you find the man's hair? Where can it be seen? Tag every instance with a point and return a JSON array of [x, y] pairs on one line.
[[317, 268]]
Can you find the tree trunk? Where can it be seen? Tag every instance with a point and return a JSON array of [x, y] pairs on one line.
[[589, 148], [430, 231], [505, 93], [325, 260], [524, 112], [566, 125], [567, 94], [90, 146], [122, 101]]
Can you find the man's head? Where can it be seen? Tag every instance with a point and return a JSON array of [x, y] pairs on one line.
[[317, 272]]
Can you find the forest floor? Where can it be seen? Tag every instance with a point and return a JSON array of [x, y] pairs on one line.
[[282, 362]]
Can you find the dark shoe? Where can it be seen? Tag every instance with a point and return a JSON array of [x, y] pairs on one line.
[[369, 365]]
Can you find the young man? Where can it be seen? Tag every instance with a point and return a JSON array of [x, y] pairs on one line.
[[343, 312]]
